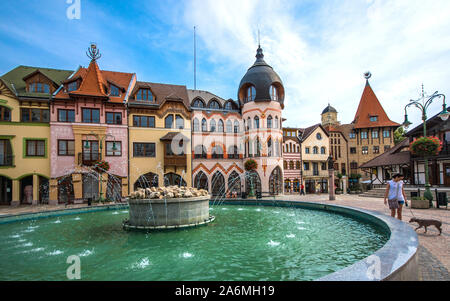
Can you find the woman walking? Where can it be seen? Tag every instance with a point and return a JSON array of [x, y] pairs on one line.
[[395, 195]]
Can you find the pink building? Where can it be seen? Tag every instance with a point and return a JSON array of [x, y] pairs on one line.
[[88, 123], [292, 160]]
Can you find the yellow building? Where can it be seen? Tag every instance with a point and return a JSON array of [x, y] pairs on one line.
[[25, 93], [159, 136]]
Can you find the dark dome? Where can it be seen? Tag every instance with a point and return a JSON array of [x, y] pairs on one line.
[[262, 76], [329, 109]]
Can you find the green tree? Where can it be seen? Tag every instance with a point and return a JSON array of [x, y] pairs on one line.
[[399, 135]]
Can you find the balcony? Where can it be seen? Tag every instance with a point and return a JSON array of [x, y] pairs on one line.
[[176, 161], [6, 160], [88, 159]]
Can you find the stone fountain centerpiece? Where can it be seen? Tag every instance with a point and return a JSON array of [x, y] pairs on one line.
[[168, 208]]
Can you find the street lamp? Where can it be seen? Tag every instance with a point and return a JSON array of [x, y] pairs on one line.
[[101, 140], [422, 104]]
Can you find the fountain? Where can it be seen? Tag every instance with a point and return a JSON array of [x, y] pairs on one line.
[[170, 207]]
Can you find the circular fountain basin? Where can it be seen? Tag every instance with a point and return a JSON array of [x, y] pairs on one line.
[[159, 214]]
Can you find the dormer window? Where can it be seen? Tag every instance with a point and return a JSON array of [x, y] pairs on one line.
[[72, 86], [214, 105], [39, 88], [251, 93], [114, 91], [373, 118], [198, 103], [273, 93], [144, 95]]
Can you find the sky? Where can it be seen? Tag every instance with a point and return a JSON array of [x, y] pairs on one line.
[[320, 49]]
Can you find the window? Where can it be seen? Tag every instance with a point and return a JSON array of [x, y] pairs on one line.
[[214, 105], [363, 135], [144, 121], [198, 104], [273, 93], [269, 122], [291, 164], [114, 91], [91, 115], [66, 115], [375, 134], [204, 125], [297, 164], [179, 122], [35, 115], [324, 166], [353, 165], [144, 95], [39, 88], [217, 152], [168, 122], [220, 126], [352, 150], [66, 147], [196, 125], [249, 123], [386, 133], [256, 122], [199, 152], [373, 118], [229, 106], [257, 147], [233, 152], [285, 164], [251, 93], [5, 114], [315, 150], [212, 126], [72, 86], [229, 126], [113, 148], [236, 126], [276, 122], [376, 149], [306, 165], [269, 148], [315, 169], [306, 150], [35, 148], [322, 150], [144, 149], [365, 150], [319, 136], [113, 118], [386, 147], [352, 135]]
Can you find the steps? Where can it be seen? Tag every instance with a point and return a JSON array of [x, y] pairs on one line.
[[374, 193], [379, 192]]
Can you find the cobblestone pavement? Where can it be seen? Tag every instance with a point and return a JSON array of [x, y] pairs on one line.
[[434, 255]]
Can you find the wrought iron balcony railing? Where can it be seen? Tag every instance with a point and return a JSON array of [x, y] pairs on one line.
[[88, 159]]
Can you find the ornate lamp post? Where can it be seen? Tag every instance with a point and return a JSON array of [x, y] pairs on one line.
[[100, 140], [331, 194], [422, 104]]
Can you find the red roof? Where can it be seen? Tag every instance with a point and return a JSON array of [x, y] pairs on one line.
[[93, 81], [370, 106]]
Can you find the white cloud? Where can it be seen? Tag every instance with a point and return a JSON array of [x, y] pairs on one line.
[[322, 50]]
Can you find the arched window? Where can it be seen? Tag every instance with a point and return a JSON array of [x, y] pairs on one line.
[[285, 164], [249, 124], [229, 127], [229, 105], [200, 152], [212, 126], [196, 125], [298, 148], [256, 122], [251, 93], [273, 93], [297, 164], [257, 147], [179, 122], [220, 126], [276, 122], [277, 148], [276, 181], [322, 150], [5, 114], [315, 150], [236, 126], [269, 122], [233, 152], [214, 105], [204, 125], [291, 164], [198, 104], [250, 148], [234, 183], [290, 147], [269, 148], [217, 152], [217, 184], [168, 122], [201, 181]]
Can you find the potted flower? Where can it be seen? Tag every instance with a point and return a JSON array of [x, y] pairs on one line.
[[426, 146], [101, 166]]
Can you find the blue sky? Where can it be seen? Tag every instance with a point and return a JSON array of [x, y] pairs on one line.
[[320, 49]]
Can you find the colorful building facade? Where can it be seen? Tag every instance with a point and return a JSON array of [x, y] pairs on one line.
[[292, 160]]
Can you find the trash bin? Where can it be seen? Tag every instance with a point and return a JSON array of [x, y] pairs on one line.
[[442, 199]]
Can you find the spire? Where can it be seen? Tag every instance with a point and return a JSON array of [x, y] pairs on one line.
[[259, 54], [367, 75], [93, 53]]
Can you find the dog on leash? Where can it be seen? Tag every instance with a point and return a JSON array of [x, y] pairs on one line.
[[426, 223]]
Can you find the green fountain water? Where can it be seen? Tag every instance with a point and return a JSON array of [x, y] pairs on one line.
[[244, 243]]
